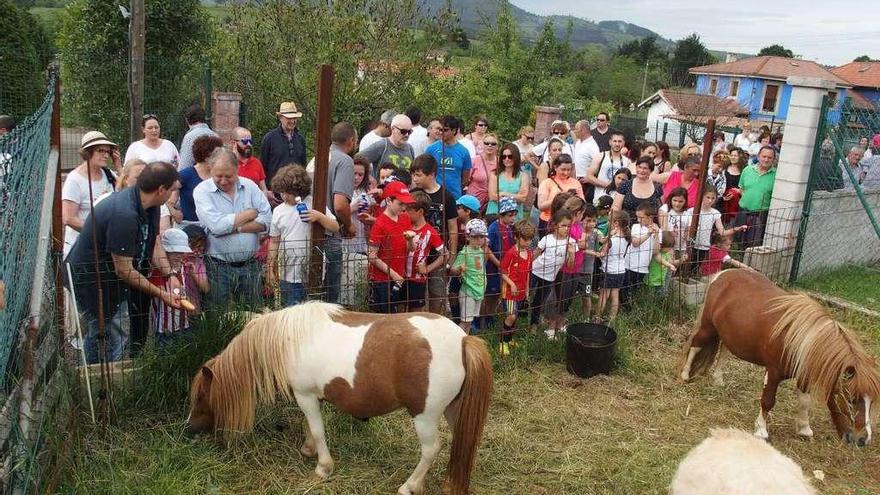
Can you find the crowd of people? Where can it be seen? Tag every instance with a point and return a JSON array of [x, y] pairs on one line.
[[447, 217]]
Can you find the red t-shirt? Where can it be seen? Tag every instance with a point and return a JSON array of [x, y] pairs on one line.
[[387, 235], [675, 181], [517, 268], [426, 239], [252, 168], [714, 262]]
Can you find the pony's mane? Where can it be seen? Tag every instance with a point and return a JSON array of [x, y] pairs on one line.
[[818, 349], [254, 366]]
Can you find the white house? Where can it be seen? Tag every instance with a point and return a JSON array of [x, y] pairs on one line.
[[670, 110]]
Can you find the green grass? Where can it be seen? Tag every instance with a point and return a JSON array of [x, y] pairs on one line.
[[548, 431], [859, 284]]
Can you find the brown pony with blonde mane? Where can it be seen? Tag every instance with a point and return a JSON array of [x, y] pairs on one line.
[[792, 336], [366, 365]]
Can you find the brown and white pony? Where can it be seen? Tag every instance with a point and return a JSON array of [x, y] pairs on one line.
[[792, 336], [366, 365]]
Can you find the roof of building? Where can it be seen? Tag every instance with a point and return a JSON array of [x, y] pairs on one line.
[[860, 101], [688, 104], [769, 67], [860, 74]]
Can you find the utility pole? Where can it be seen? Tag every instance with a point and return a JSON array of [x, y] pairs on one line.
[[644, 81], [136, 39]]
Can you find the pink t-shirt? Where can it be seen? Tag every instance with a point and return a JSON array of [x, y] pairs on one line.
[[575, 232], [554, 185], [480, 173], [675, 181]]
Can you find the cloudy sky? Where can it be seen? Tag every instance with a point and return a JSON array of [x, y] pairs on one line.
[[829, 32]]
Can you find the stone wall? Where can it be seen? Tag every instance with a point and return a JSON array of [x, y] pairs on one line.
[[225, 110], [839, 232]]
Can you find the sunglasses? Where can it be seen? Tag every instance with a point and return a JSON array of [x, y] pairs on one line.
[[506, 157], [530, 138], [559, 133], [405, 132], [106, 151], [482, 124], [150, 116], [490, 143], [246, 141]]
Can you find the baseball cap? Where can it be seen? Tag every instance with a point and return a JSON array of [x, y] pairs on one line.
[[397, 190], [469, 202], [506, 205], [175, 241], [476, 227]]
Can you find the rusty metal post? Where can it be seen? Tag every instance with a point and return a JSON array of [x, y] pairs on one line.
[[701, 187], [57, 226], [320, 195]]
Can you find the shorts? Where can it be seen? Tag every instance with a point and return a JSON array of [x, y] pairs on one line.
[[512, 307], [568, 288], [413, 294], [614, 280], [470, 307], [437, 283]]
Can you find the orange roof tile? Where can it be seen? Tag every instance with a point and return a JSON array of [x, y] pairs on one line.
[[860, 101], [690, 104], [770, 67], [861, 74]]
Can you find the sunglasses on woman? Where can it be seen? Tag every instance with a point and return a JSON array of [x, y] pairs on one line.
[[507, 156], [490, 143]]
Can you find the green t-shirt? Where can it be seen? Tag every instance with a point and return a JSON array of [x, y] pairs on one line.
[[657, 271], [757, 189], [473, 277], [602, 225]]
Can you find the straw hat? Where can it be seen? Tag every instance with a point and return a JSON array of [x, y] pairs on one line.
[[94, 138], [288, 109]]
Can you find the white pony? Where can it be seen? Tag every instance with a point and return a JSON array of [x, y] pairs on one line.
[[366, 365], [734, 462]]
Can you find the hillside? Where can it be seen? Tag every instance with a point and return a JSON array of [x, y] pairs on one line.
[[606, 33]]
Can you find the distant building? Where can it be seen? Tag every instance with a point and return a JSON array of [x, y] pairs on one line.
[[758, 84], [671, 110], [865, 94]]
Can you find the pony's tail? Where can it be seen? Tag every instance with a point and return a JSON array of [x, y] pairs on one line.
[[706, 356], [476, 391]]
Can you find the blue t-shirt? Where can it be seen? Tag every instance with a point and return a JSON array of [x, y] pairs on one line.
[[453, 161], [189, 179]]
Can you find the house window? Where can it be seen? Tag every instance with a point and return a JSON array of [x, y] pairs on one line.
[[734, 88], [832, 99], [771, 98], [713, 86]]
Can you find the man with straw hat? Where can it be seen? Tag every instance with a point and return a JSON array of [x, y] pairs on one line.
[[283, 145]]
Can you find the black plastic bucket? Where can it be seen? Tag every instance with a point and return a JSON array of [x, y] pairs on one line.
[[589, 349]]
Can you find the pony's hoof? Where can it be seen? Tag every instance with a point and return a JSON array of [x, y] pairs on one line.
[[685, 377], [308, 450], [324, 471], [406, 490], [805, 432]]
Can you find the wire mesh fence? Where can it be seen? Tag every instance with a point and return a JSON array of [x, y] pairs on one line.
[[29, 342]]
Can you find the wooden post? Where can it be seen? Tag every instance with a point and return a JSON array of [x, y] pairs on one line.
[[136, 39], [701, 187], [320, 194], [57, 226]]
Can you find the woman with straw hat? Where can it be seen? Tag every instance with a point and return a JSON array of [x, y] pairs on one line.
[[95, 150]]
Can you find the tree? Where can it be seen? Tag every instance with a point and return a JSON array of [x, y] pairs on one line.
[[26, 52], [94, 49], [689, 52], [776, 50], [642, 50], [863, 58]]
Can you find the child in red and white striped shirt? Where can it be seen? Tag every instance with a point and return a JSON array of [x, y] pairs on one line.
[[189, 271]]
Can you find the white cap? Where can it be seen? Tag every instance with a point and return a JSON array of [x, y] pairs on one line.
[[175, 241]]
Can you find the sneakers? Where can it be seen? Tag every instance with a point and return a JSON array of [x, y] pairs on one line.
[[504, 349]]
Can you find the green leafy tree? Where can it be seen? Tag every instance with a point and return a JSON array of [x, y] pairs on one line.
[[23, 59], [643, 50], [689, 52], [863, 58], [271, 52], [776, 50], [94, 51]]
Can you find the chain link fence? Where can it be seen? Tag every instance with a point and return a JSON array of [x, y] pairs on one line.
[[29, 338]]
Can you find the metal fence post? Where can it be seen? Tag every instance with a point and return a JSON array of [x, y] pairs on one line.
[[208, 88], [808, 197]]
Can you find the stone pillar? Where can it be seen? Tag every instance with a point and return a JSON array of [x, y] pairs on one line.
[[225, 107], [544, 117], [792, 174]]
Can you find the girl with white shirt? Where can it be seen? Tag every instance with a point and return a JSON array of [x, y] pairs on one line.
[[643, 245], [614, 250], [554, 250], [152, 148]]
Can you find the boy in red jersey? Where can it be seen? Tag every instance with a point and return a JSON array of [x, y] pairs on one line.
[[515, 269], [390, 240], [426, 254]]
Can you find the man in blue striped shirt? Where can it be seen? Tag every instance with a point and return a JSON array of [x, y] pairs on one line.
[[234, 212]]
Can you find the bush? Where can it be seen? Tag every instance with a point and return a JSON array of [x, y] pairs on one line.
[[23, 60]]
